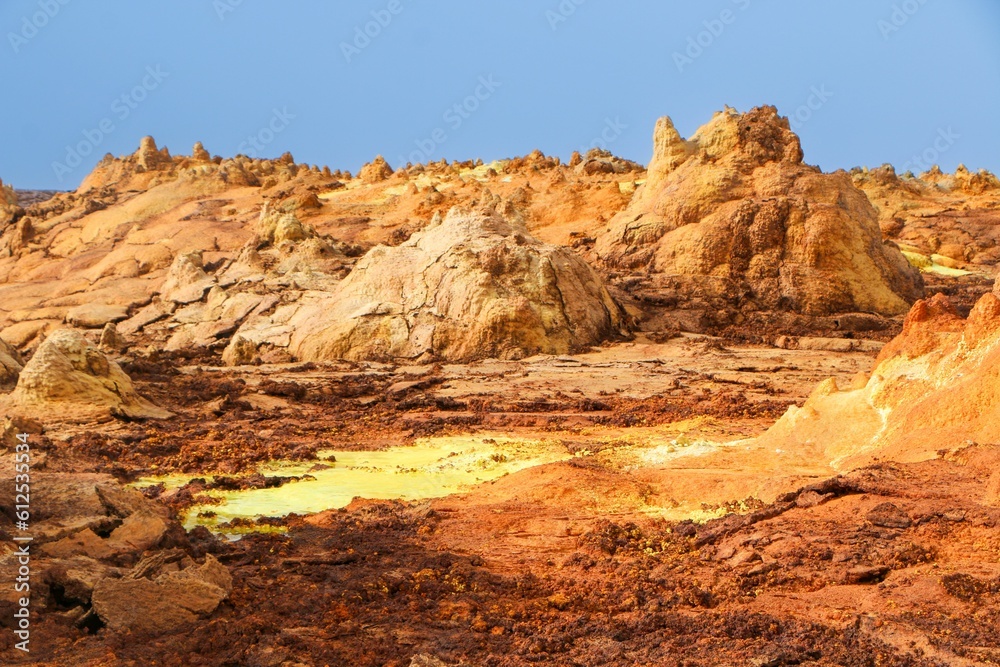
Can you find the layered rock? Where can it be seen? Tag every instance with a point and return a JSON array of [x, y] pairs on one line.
[[106, 554], [202, 309], [70, 380], [733, 213], [935, 387], [471, 286], [152, 601]]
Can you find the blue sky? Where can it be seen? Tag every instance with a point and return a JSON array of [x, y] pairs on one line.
[[887, 80]]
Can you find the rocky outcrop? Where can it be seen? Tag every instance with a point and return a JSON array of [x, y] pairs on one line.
[[102, 253], [934, 387], [472, 286], [70, 380], [733, 213], [8, 197]]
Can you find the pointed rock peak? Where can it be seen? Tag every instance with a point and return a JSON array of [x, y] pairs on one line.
[[669, 148], [199, 153], [149, 156]]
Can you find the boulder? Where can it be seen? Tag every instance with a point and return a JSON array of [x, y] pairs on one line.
[[110, 340], [277, 227], [70, 380], [63, 504], [83, 543], [78, 576], [733, 213], [165, 603], [140, 531], [475, 285]]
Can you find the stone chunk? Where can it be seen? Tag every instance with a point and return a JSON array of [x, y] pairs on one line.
[[165, 603]]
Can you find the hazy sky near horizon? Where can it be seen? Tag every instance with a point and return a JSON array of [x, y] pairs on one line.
[[864, 81]]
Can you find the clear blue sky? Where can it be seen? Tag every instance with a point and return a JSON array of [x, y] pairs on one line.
[[224, 66]]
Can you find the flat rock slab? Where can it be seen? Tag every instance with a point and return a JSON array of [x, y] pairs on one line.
[[95, 316]]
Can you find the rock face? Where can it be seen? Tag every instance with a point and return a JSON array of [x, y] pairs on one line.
[[70, 380], [733, 212], [935, 386], [476, 285]]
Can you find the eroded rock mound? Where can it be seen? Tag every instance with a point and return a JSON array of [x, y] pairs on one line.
[[733, 213], [935, 387], [70, 380], [375, 171], [473, 286]]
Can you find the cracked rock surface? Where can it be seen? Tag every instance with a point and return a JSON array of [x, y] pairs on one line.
[[476, 285]]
